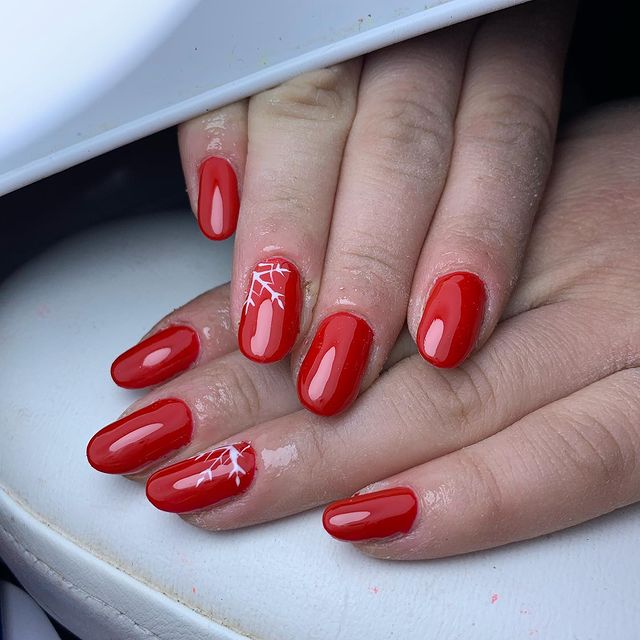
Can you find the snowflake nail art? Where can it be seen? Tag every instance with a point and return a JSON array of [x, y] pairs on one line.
[[204, 480], [271, 313], [227, 456], [264, 276]]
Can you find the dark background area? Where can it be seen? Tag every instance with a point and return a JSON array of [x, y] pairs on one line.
[[145, 176]]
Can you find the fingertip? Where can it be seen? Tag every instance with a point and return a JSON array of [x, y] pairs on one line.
[[218, 199], [372, 516], [452, 318]]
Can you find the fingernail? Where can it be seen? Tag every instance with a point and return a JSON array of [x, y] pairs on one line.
[[271, 313], [330, 375], [452, 318], [370, 516], [157, 358], [218, 200], [204, 480], [144, 436]]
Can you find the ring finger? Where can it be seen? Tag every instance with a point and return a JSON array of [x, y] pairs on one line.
[[297, 133]]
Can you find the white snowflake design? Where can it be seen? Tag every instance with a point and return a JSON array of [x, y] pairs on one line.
[[263, 275], [224, 455]]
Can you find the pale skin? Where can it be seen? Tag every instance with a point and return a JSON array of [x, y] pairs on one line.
[[538, 431], [379, 175]]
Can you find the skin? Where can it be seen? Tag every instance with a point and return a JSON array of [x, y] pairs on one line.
[[379, 175], [538, 431]]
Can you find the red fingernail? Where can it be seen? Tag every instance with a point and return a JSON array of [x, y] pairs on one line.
[[330, 375], [452, 318], [368, 516], [144, 436], [202, 481], [218, 200], [157, 358], [271, 313]]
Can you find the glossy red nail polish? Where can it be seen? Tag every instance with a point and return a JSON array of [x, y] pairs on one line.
[[144, 436], [330, 375], [204, 480], [452, 318], [271, 313], [218, 200], [157, 358], [368, 516]]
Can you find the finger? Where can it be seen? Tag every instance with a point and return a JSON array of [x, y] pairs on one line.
[[566, 463], [411, 415], [213, 148], [198, 332], [296, 137], [502, 154], [393, 170], [204, 405]]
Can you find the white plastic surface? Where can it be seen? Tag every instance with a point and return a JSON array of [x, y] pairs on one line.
[[103, 560], [80, 78], [56, 58]]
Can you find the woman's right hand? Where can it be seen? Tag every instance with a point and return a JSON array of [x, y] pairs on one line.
[[538, 431]]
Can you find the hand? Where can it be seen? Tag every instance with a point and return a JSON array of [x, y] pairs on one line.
[[342, 172], [538, 431]]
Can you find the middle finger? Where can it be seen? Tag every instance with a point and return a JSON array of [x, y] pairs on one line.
[[394, 167]]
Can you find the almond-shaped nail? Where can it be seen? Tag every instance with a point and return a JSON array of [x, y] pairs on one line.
[[156, 358], [331, 372], [204, 480], [141, 438], [218, 200], [270, 318], [371, 516], [451, 319]]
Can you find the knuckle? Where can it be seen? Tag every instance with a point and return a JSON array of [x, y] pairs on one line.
[[408, 129], [482, 481], [585, 446], [323, 95], [487, 237], [376, 263], [450, 413], [314, 454], [402, 391], [285, 196], [600, 454], [239, 387], [510, 119], [466, 394], [284, 202]]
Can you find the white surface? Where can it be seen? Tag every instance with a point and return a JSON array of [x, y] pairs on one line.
[[21, 618], [55, 59], [100, 557], [80, 78]]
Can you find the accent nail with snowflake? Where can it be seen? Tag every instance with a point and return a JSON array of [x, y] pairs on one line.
[[203, 480], [270, 317]]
